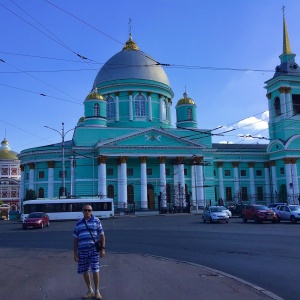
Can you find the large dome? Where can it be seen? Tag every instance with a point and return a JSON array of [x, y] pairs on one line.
[[131, 63], [6, 153]]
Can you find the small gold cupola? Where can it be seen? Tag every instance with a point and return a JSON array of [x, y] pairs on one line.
[[130, 44]]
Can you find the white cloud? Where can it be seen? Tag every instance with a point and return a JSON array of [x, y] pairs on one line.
[[253, 123]]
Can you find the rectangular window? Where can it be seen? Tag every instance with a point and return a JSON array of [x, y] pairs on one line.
[[244, 194], [168, 171], [185, 172], [258, 173], [149, 171], [41, 174], [243, 173], [214, 173], [228, 194], [227, 173], [60, 174], [27, 176], [129, 172], [110, 172], [296, 104], [282, 170], [260, 193]]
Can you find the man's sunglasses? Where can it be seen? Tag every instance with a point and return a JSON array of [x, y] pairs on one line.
[[89, 210]]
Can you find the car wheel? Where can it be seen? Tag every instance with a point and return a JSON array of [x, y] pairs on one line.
[[48, 224], [226, 221], [24, 228], [278, 220], [245, 219], [203, 219], [256, 220], [274, 221], [42, 225], [210, 219], [293, 220]]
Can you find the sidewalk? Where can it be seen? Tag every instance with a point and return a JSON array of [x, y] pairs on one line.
[[51, 274]]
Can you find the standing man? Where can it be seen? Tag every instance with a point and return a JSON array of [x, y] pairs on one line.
[[85, 253]]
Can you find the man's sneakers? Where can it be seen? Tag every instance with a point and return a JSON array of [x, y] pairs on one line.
[[98, 295], [89, 295]]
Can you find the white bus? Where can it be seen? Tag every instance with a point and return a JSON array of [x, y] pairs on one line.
[[69, 209]]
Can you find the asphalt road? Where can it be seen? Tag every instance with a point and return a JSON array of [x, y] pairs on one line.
[[264, 254]]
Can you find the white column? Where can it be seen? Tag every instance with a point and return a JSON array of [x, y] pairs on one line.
[[149, 106], [144, 200], [22, 187], [175, 182], [295, 177], [221, 180], [200, 185], [267, 182], [252, 185], [289, 104], [169, 111], [50, 179], [119, 187], [102, 176], [288, 177], [274, 178], [130, 108], [236, 177], [163, 182], [161, 100], [117, 107], [72, 176], [282, 101], [122, 195], [182, 198], [31, 176]]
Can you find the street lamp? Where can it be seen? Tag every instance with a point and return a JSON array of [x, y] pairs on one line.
[[62, 134]]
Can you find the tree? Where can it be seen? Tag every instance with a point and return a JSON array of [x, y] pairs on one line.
[[30, 195]]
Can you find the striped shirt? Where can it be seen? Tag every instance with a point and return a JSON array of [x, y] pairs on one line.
[[85, 241]]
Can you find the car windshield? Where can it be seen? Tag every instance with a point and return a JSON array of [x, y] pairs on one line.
[[262, 207], [223, 208], [215, 209], [296, 207], [35, 215]]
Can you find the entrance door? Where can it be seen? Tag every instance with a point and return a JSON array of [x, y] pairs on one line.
[[151, 197]]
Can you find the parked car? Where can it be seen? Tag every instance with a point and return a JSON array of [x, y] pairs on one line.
[[214, 214], [236, 209], [36, 220], [258, 213], [288, 213], [227, 211], [274, 205]]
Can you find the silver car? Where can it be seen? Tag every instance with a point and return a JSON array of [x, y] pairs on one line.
[[288, 213], [214, 214], [227, 211]]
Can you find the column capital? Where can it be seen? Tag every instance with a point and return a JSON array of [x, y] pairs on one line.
[[123, 159], [149, 94], [281, 90], [272, 163], [287, 90], [293, 160], [117, 94], [102, 159], [220, 164], [235, 164], [180, 160], [50, 163], [251, 164], [31, 166], [196, 160], [266, 165], [268, 96], [162, 159], [130, 93], [22, 168], [143, 159], [287, 160]]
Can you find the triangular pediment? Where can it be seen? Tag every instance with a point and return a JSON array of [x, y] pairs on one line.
[[150, 137]]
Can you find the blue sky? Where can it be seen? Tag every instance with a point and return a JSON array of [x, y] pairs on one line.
[[234, 34]]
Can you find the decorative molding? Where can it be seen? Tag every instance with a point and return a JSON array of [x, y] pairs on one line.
[[143, 159], [31, 166], [123, 159], [235, 164], [266, 164], [180, 160], [251, 164], [220, 164], [102, 159], [272, 163], [162, 159], [50, 164]]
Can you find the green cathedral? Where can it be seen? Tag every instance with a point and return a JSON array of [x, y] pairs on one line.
[[127, 148]]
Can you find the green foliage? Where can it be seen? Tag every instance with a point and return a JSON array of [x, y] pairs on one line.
[[30, 195]]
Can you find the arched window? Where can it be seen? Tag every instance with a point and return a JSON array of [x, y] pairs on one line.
[[41, 193], [130, 194], [110, 109], [96, 110], [140, 105], [277, 106], [164, 110], [110, 191], [189, 114]]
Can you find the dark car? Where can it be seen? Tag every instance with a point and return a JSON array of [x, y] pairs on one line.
[[258, 213], [236, 209], [36, 220]]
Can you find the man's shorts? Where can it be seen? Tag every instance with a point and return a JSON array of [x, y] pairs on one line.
[[88, 260]]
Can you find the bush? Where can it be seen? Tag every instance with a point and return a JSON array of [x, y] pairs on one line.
[[30, 195]]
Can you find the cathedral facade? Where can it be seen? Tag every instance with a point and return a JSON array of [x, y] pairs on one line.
[[127, 148]]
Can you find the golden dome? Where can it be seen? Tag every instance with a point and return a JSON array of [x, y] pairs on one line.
[[5, 152], [185, 100], [94, 95], [130, 44]]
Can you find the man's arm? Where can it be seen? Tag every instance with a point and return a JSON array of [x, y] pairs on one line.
[[102, 239], [75, 249]]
